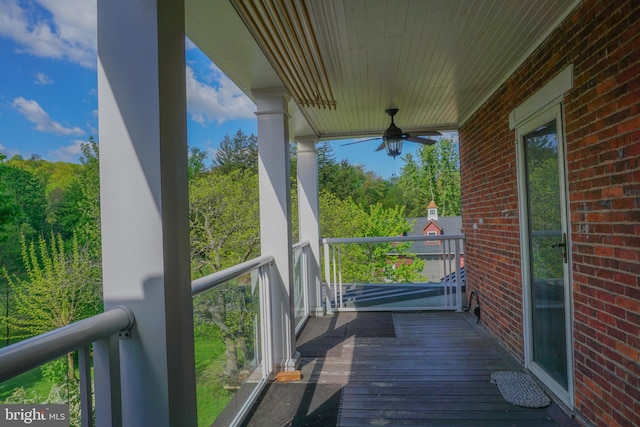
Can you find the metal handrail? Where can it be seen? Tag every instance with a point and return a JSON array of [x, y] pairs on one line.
[[333, 245], [301, 245], [24, 355], [333, 240], [218, 278]]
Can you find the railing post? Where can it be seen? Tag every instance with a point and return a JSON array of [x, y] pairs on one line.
[[106, 373], [327, 278], [335, 276], [339, 287], [312, 282], [86, 404], [265, 312], [458, 278]]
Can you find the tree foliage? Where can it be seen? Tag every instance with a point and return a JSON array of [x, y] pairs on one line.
[[60, 287], [433, 175], [224, 220], [196, 163], [237, 152]]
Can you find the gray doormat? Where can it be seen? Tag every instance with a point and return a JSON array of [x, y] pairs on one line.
[[519, 389]]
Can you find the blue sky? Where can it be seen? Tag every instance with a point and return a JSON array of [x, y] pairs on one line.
[[48, 88]]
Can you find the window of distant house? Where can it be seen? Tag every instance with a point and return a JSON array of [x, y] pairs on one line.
[[432, 242], [432, 211]]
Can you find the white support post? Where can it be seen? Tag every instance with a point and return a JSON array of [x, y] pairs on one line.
[[144, 202], [275, 219], [309, 217]]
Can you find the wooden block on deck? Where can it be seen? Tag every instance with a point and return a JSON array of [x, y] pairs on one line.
[[287, 376]]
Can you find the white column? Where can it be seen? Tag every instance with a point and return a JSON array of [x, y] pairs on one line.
[[309, 216], [145, 224], [275, 219]]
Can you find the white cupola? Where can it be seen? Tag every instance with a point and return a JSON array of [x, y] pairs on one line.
[[432, 211]]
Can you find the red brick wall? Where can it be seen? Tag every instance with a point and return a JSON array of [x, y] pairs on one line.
[[602, 125]]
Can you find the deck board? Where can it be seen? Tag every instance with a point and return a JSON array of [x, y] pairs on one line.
[[434, 372]]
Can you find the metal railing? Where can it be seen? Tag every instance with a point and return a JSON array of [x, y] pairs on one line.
[[103, 331], [99, 331], [394, 273], [239, 296], [301, 283]]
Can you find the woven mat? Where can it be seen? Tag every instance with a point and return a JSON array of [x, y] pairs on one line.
[[520, 389]]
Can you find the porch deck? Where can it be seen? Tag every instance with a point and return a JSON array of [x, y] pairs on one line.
[[397, 369]]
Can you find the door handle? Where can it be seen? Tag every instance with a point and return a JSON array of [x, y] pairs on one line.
[[562, 245]]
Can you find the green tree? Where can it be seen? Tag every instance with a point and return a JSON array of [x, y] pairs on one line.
[[23, 199], [368, 262], [79, 210], [434, 175], [22, 211], [237, 152], [196, 163], [60, 287], [224, 219]]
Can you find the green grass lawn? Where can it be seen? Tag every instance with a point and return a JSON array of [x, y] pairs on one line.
[[32, 382], [210, 393]]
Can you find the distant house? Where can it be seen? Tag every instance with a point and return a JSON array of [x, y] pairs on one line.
[[437, 252]]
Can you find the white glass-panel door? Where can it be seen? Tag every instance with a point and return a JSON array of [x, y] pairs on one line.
[[546, 251]]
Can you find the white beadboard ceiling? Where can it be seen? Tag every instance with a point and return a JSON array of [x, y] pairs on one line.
[[345, 61]]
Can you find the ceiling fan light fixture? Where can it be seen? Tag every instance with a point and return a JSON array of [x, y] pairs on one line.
[[393, 145]]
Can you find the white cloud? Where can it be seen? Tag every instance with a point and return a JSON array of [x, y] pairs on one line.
[[67, 153], [56, 29], [43, 79], [32, 111], [216, 104]]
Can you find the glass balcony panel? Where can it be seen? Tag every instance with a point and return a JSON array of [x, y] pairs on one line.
[[228, 348]]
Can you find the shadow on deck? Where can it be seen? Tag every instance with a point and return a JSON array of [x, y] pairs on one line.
[[397, 369]]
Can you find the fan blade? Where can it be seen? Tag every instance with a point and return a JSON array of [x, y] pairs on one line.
[[419, 140], [358, 142], [425, 132], [380, 147]]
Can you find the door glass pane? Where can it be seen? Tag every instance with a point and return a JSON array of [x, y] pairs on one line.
[[546, 252]]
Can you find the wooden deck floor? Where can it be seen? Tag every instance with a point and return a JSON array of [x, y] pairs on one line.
[[435, 371]]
